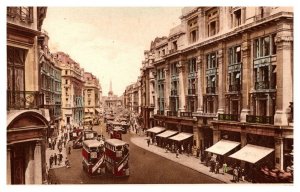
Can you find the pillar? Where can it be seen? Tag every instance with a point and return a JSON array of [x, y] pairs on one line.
[[200, 84], [182, 104], [284, 43], [216, 134], [221, 80], [167, 88], [246, 77], [8, 165], [29, 161], [279, 153], [38, 164]]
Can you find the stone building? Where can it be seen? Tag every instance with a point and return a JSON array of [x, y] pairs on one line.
[[50, 82], [92, 97], [111, 101], [27, 119], [72, 82], [225, 73], [131, 97]]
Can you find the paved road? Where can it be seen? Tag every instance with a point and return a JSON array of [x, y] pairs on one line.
[[145, 168]]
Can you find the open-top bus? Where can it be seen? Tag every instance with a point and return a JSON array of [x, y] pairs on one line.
[[117, 157], [93, 161]]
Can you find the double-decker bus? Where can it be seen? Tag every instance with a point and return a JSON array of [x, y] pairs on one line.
[[93, 155], [117, 157]]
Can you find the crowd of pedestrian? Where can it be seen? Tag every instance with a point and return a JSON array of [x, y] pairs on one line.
[[59, 143]]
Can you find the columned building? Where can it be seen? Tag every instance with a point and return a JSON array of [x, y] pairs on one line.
[[111, 102], [72, 82], [27, 119], [225, 73]]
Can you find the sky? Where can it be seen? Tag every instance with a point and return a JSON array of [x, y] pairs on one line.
[[108, 42]]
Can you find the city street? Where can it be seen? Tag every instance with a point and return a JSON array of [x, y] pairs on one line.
[[144, 169]]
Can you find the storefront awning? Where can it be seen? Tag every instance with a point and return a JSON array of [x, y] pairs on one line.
[[222, 147], [252, 153], [156, 129], [181, 136], [167, 133], [98, 110], [86, 110]]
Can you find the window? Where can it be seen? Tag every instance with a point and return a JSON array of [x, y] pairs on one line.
[[264, 45], [174, 69], [193, 30], [15, 69], [212, 20], [193, 36], [235, 55], [66, 72], [211, 61], [192, 65], [174, 45], [237, 18], [66, 81]]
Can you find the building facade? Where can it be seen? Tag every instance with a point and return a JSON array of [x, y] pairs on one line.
[[111, 101], [224, 73], [50, 82], [72, 82], [92, 97], [131, 98], [27, 119]]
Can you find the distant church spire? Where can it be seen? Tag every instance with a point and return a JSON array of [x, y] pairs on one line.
[[110, 93]]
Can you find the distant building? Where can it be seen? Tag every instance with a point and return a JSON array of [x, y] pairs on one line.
[[72, 90], [131, 98], [27, 119], [111, 101], [92, 96]]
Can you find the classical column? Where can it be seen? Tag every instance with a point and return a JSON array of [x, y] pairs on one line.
[[182, 104], [156, 93], [8, 166], [140, 97], [284, 42], [221, 81], [216, 134], [29, 160], [167, 89], [199, 85], [279, 153], [245, 76], [38, 179]]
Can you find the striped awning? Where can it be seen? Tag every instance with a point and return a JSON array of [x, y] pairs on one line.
[[167, 133], [222, 147], [181, 136], [252, 153]]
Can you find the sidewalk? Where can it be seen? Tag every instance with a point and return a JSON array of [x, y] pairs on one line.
[[188, 161], [50, 152]]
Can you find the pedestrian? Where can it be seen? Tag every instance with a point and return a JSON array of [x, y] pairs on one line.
[[212, 166], [51, 160], [148, 141], [177, 153], [69, 149], [181, 148], [224, 168], [167, 146], [238, 174], [235, 174], [49, 142], [198, 152], [55, 159], [243, 174], [217, 167]]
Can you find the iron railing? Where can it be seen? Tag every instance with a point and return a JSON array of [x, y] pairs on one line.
[[25, 14], [160, 112], [172, 113], [228, 117], [25, 100], [185, 114], [260, 119]]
